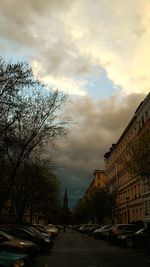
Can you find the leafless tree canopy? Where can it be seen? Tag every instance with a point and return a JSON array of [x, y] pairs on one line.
[[29, 118]]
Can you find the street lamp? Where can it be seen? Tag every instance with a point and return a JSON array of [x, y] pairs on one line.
[[128, 211]]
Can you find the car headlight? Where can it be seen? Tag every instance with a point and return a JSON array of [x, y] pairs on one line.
[[19, 263]]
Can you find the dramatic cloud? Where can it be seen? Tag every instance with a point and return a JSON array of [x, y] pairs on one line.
[[98, 125], [68, 38], [86, 48], [115, 35]]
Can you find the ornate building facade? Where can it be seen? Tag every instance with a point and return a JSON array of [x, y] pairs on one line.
[[129, 194]]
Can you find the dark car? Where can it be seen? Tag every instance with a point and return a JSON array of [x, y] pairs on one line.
[[42, 229], [13, 259], [37, 231], [103, 232], [121, 229], [14, 244], [53, 230], [91, 229], [85, 228], [21, 232], [139, 239]]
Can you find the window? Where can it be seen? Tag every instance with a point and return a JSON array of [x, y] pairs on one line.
[[146, 208], [139, 193], [135, 195]]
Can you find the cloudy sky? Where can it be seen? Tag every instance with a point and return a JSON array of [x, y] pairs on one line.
[[98, 52]]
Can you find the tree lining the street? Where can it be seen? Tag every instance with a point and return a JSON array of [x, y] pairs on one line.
[[93, 207], [35, 193], [29, 118]]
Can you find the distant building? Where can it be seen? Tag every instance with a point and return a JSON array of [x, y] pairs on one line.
[[129, 195], [82, 207], [99, 181], [143, 121]]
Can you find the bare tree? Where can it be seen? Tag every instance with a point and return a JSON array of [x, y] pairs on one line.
[[29, 118]]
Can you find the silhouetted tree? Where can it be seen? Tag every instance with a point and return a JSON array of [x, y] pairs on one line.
[[93, 207], [36, 191], [99, 205], [29, 118]]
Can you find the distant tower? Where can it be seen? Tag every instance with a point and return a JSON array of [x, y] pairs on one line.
[[65, 203], [66, 212]]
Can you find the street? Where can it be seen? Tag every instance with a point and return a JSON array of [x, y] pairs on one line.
[[73, 249]]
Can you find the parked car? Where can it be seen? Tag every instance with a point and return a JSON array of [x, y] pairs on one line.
[[14, 244], [21, 232], [13, 259], [43, 229], [139, 239], [85, 228], [39, 232], [121, 229], [103, 232], [53, 230], [92, 228]]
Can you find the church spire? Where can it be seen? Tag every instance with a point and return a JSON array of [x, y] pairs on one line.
[[65, 203], [65, 210]]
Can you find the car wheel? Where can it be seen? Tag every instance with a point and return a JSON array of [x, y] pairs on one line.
[[129, 243]]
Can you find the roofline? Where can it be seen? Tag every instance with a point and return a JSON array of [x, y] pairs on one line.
[[136, 113]]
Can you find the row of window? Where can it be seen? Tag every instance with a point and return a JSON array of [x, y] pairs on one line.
[[133, 214], [146, 186], [129, 137], [124, 178], [143, 119], [147, 207], [130, 194]]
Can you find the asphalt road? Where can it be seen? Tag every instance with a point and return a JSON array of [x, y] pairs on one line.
[[73, 249]]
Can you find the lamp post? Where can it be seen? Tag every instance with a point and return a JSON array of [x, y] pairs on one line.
[[128, 211]]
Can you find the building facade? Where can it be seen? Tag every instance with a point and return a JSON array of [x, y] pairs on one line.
[[143, 121], [129, 194], [83, 207], [99, 181]]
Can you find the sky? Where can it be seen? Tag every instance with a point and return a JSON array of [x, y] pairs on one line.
[[96, 51]]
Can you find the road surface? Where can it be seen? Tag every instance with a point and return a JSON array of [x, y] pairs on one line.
[[73, 249]]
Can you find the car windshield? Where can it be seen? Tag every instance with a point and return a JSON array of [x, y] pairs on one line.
[[41, 228], [104, 227], [7, 236], [33, 229], [140, 231]]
